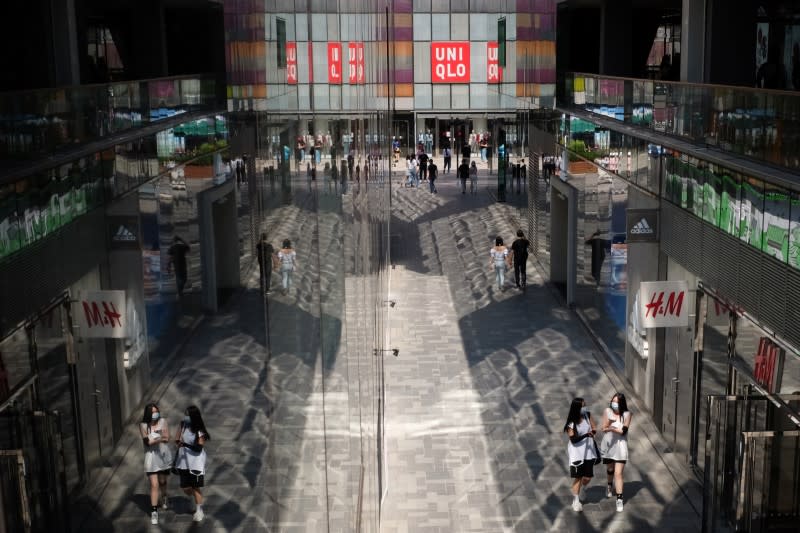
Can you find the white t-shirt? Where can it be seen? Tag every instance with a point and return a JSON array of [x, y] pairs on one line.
[[498, 257], [188, 459], [287, 259], [583, 450], [157, 457]]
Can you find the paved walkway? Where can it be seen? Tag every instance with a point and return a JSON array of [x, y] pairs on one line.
[[475, 401]]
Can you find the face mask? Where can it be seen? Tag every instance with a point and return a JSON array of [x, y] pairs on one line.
[[584, 411], [187, 420], [155, 416], [615, 406]]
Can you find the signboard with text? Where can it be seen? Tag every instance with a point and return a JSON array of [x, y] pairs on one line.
[[101, 314], [494, 72], [335, 63], [641, 225], [450, 62], [355, 62], [768, 367], [664, 304], [291, 63]]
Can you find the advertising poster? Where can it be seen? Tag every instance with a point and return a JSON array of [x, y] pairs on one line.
[[730, 205], [762, 44], [335, 63], [794, 234], [450, 62], [775, 236], [752, 211]]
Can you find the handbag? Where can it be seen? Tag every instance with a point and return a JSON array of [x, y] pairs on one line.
[[598, 457]]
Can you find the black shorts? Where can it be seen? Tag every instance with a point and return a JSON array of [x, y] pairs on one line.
[[190, 479], [612, 461], [162, 472], [585, 469]]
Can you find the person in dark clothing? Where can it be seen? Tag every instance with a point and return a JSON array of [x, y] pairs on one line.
[[432, 175], [463, 175], [266, 262], [519, 254], [598, 254], [177, 261], [447, 159], [423, 166], [466, 151]]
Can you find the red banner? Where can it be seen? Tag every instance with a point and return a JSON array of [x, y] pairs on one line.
[[335, 63], [494, 73], [767, 359], [355, 62], [291, 63], [450, 62], [310, 62]]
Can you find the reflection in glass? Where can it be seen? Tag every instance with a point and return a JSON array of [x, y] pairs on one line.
[[15, 362], [794, 232], [751, 225], [775, 241]]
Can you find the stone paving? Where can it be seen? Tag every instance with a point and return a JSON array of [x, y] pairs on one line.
[[475, 401]]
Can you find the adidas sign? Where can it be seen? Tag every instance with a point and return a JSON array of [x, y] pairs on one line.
[[642, 228], [124, 235]]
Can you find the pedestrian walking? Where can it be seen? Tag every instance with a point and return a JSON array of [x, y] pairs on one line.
[[154, 431], [410, 171], [287, 258], [433, 173], [463, 175], [266, 262], [473, 178], [614, 446], [519, 254], [423, 167], [177, 260], [499, 261], [191, 457], [447, 160], [523, 174], [581, 449]]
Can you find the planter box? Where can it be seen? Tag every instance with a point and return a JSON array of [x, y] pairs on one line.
[[581, 167], [198, 171]]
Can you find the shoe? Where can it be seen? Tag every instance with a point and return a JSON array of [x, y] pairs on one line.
[[198, 516], [164, 503], [577, 506], [608, 492], [154, 518], [619, 505]]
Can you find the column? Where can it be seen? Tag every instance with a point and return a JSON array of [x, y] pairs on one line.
[[693, 29], [615, 38]]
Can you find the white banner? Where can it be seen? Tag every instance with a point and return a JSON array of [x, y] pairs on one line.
[[664, 304], [101, 314]]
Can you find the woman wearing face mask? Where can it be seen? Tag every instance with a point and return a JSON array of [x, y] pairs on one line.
[[191, 461], [614, 446], [581, 448], [157, 457]]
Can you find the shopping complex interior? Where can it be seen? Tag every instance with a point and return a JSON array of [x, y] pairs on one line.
[[151, 151]]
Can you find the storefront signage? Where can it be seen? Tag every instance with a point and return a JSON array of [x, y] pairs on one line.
[[335, 63], [642, 225], [123, 232], [291, 63], [450, 62], [664, 304], [355, 62], [101, 314], [768, 367], [494, 72]]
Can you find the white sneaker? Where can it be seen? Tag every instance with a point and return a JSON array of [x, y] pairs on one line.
[[154, 518], [164, 503], [619, 505], [577, 506], [198, 516], [608, 492]]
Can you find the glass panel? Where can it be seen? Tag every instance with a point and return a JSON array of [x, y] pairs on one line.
[[15, 361], [730, 202], [751, 226], [460, 97], [794, 232], [422, 26], [423, 96], [441, 96], [775, 240], [440, 27], [459, 27]]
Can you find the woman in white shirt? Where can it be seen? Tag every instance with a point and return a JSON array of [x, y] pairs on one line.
[[287, 258], [580, 449], [154, 431], [191, 460], [614, 446], [499, 261]]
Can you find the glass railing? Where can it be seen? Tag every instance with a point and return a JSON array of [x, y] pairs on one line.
[[758, 123], [39, 122]]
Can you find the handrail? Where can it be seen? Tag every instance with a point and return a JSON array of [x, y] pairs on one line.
[[14, 92]]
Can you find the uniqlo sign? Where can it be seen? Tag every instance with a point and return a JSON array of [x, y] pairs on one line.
[[450, 62], [355, 62], [664, 304], [335, 63], [494, 72], [291, 63]]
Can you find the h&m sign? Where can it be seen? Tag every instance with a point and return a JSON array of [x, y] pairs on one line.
[[101, 314], [664, 304]]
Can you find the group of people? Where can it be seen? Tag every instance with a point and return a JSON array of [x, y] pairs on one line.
[[283, 261], [421, 168], [188, 460], [502, 258], [584, 453]]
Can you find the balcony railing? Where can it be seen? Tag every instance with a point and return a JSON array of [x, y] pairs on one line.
[[40, 122], [758, 123]]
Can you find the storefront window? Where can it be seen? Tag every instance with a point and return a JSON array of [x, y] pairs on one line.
[[751, 221]]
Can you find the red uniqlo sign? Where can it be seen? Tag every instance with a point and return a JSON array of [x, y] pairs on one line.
[[450, 62], [494, 73], [291, 63], [355, 62], [335, 63]]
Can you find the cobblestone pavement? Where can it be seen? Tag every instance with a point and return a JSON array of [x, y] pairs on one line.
[[475, 401]]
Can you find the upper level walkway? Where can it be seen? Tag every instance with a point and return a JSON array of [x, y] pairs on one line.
[[475, 401]]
